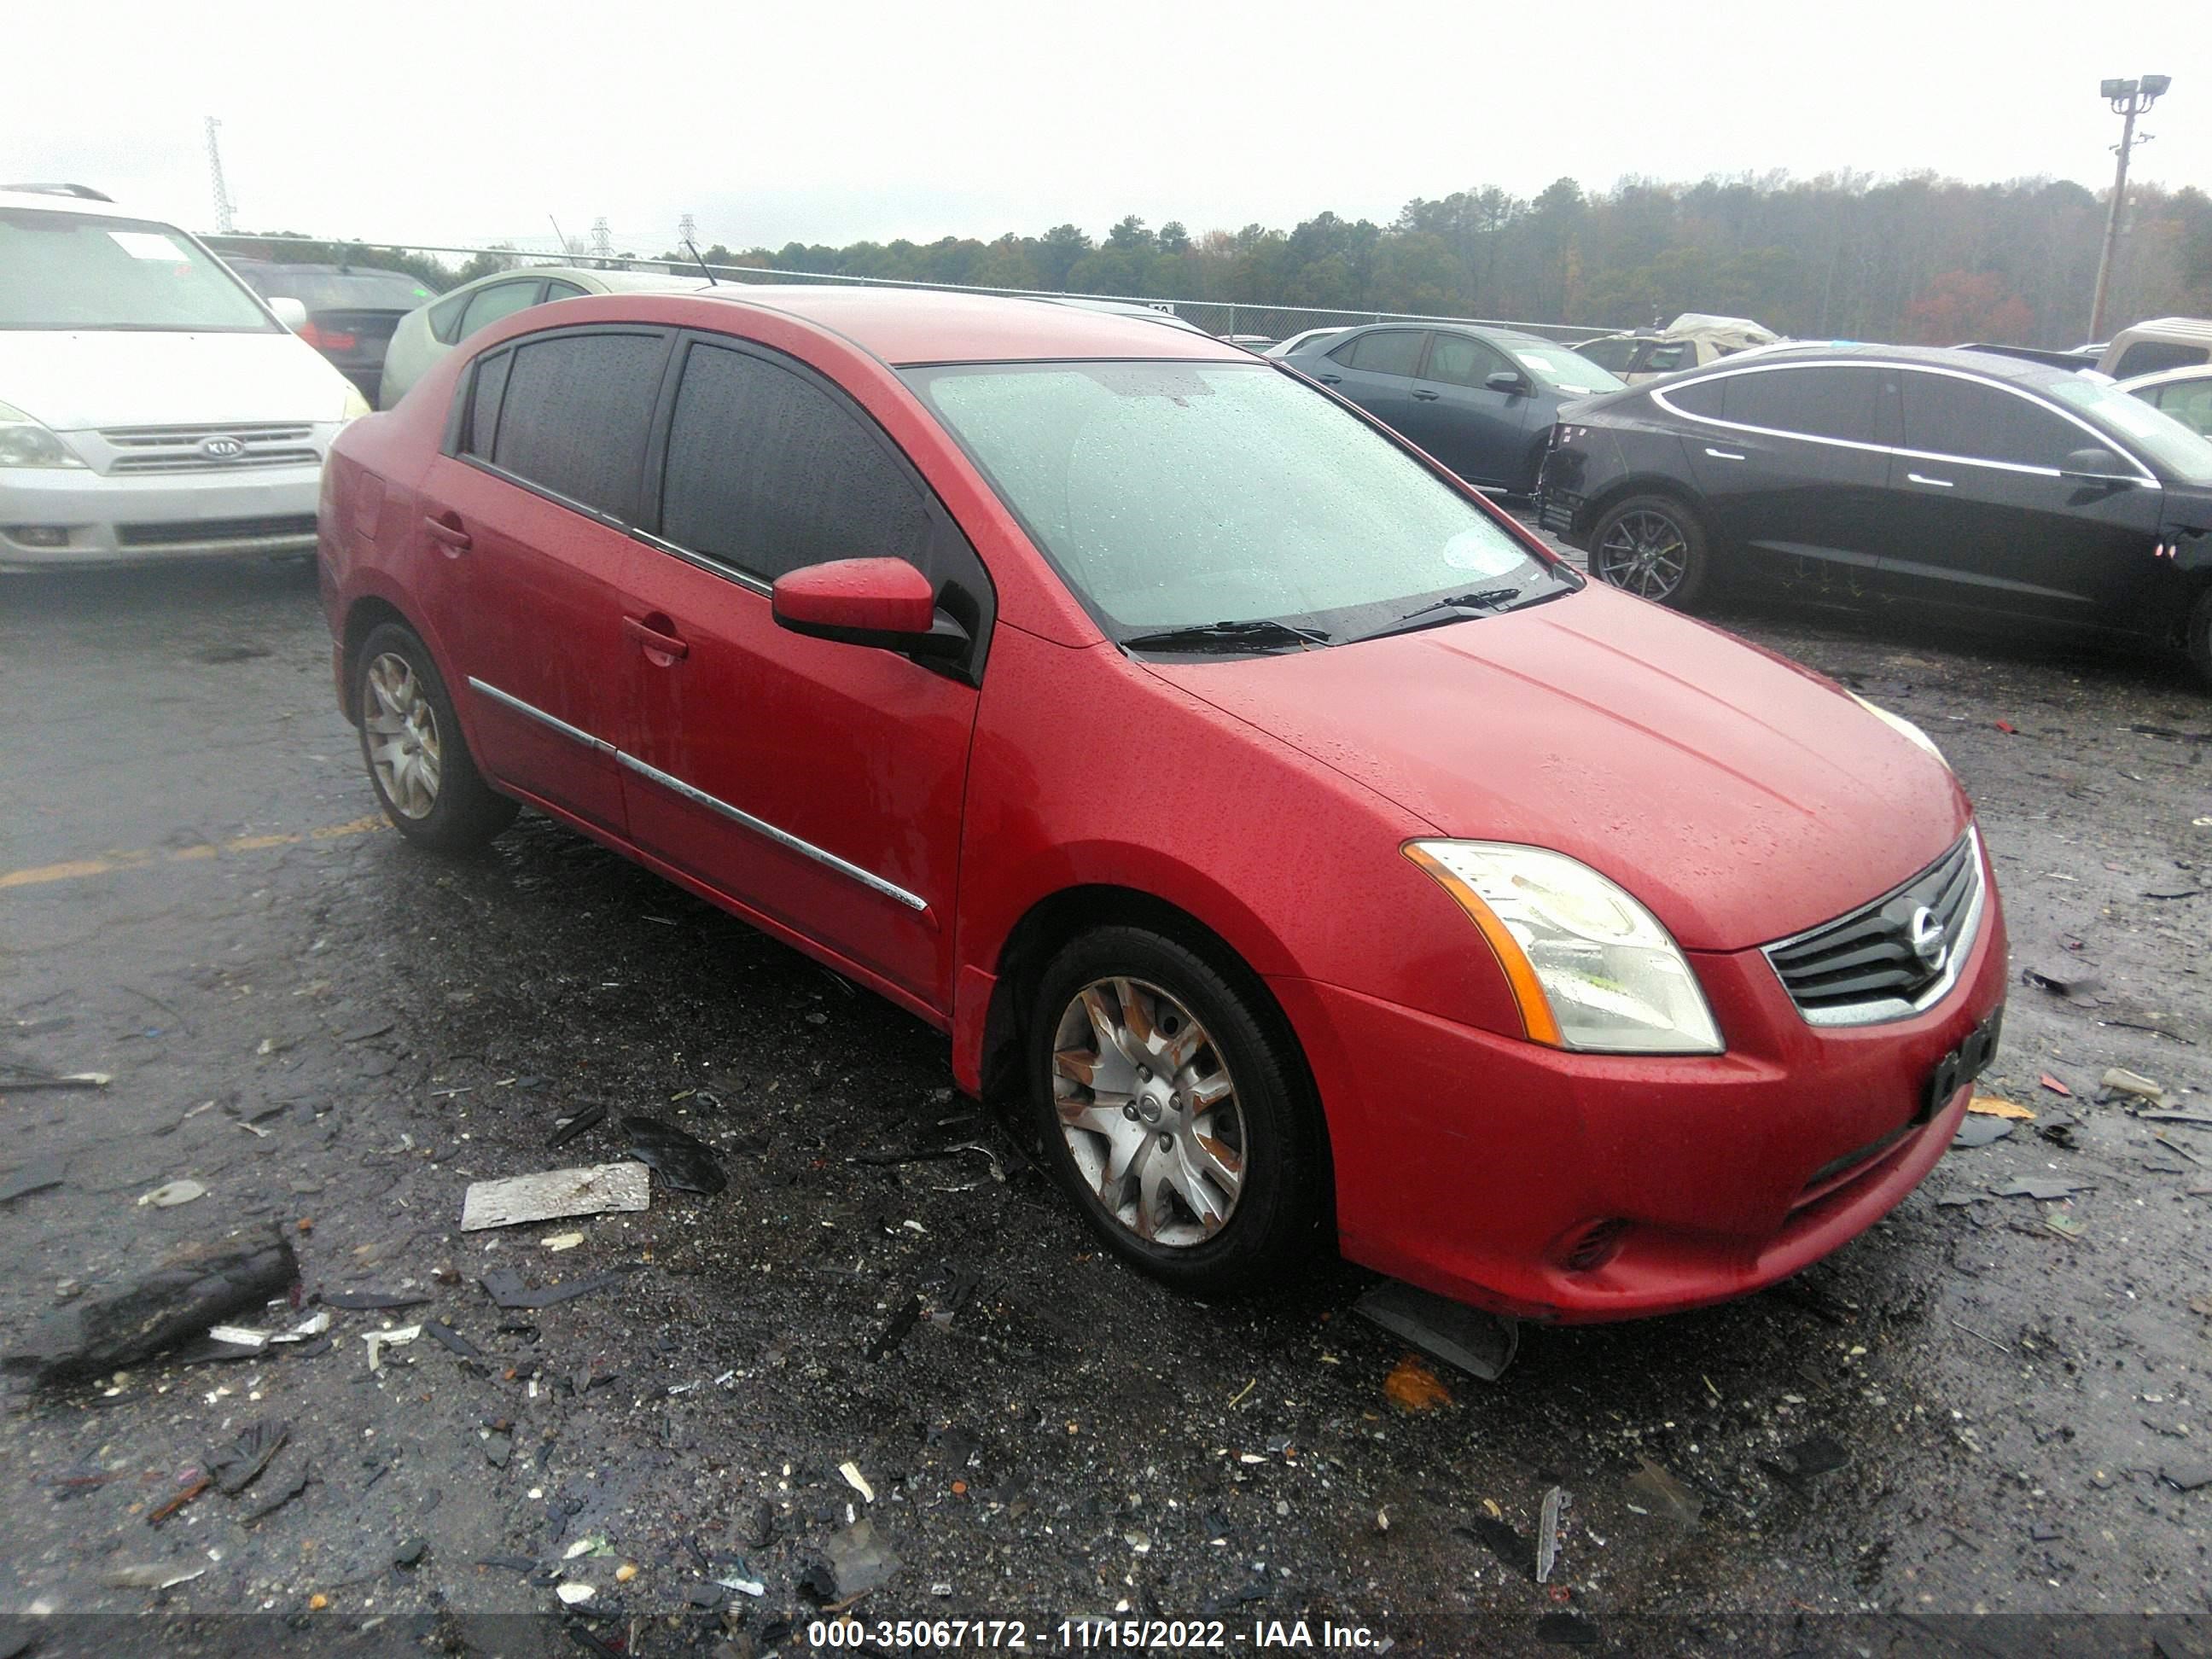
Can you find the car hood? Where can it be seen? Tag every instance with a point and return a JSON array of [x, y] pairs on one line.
[[1741, 796], [71, 380]]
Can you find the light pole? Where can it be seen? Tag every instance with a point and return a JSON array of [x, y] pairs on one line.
[[2129, 98]]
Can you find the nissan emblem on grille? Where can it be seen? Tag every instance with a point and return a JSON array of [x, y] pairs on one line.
[[223, 447], [1927, 940]]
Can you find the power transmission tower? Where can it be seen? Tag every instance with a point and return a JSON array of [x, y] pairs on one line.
[[603, 240], [224, 207], [687, 229]]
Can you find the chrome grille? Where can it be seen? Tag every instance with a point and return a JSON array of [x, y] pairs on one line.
[[1893, 957], [177, 448]]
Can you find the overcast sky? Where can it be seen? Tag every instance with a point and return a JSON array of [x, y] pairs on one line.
[[829, 121]]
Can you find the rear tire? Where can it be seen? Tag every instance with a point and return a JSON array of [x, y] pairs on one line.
[[418, 761], [1176, 1111], [1654, 547]]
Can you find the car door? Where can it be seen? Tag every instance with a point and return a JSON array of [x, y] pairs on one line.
[[1989, 516], [1452, 410], [1375, 368], [1793, 464], [527, 515], [817, 784]]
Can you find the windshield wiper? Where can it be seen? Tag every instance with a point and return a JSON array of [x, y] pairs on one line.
[[1260, 633], [1488, 599]]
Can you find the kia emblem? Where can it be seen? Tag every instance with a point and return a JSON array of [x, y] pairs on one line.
[[223, 447], [1925, 934]]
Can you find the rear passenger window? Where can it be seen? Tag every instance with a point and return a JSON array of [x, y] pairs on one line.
[[1705, 397], [488, 305], [1386, 351], [1818, 402], [767, 473], [1946, 415], [575, 413], [483, 403]]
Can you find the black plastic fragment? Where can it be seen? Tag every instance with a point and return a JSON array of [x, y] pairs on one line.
[[235, 1466], [505, 1287], [684, 1161], [892, 1334], [452, 1339], [565, 1129], [361, 1300]]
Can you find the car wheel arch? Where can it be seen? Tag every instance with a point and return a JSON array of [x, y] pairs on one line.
[[363, 618], [1643, 483]]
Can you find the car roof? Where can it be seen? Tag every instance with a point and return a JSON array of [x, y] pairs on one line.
[[2168, 376], [1988, 365], [54, 202], [909, 325], [2192, 329]]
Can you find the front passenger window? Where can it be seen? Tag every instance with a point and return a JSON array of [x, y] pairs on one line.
[[1455, 359]]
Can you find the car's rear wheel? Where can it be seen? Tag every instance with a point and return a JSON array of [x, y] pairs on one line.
[[1175, 1110], [418, 762], [1655, 547]]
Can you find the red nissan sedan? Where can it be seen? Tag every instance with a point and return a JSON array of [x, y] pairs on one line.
[[1314, 856]]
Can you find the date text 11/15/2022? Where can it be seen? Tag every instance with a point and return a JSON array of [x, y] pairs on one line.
[[1081, 1635]]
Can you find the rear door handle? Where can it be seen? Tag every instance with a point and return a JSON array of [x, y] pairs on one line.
[[1937, 484], [1426, 397], [445, 527], [1723, 455], [661, 649]]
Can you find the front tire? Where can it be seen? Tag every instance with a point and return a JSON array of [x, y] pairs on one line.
[[418, 762], [1176, 1111], [1654, 547]]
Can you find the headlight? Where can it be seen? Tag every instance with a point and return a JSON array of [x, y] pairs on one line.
[[1899, 725], [26, 442], [356, 404], [1591, 967]]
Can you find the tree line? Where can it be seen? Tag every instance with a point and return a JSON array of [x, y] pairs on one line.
[[1919, 259]]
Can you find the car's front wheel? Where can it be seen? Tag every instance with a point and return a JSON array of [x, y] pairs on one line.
[[1176, 1111], [418, 762], [1654, 547]]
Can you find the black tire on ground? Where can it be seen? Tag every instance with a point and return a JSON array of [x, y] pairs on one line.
[[455, 812], [1655, 547], [2200, 634], [1280, 1212]]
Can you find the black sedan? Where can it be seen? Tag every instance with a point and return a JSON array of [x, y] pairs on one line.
[[1997, 490], [1480, 400], [351, 310]]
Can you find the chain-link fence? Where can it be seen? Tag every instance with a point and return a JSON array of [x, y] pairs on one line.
[[1256, 325]]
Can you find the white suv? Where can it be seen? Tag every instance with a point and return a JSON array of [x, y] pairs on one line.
[[152, 406]]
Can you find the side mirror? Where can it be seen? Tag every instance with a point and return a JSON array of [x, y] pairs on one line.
[[885, 603], [289, 312], [1507, 382], [2095, 463]]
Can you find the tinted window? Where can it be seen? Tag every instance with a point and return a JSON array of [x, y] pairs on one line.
[[2148, 356], [1820, 403], [1385, 351], [575, 414], [1458, 360], [483, 409], [488, 305], [1705, 397], [1669, 355], [1945, 414], [445, 317], [557, 290], [767, 472]]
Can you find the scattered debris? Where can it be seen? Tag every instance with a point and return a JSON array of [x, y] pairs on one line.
[[857, 1481], [378, 1341], [198, 1484], [2121, 1081], [573, 1593], [1980, 1131], [892, 1334], [21, 1079], [2186, 1476], [1412, 1387], [856, 1561], [505, 1287], [1816, 1455], [35, 1176], [314, 1325], [1666, 1495], [1567, 1629], [411, 1552], [369, 1301], [498, 1448], [599, 1189], [565, 1129], [2055, 1085], [1547, 1533], [562, 1241], [452, 1339], [2039, 1186], [684, 1161], [239, 1336], [2074, 979], [747, 1586], [1998, 1106], [1480, 1344], [274, 1498], [158, 1576], [237, 1466], [191, 1288], [2063, 1224], [169, 1195]]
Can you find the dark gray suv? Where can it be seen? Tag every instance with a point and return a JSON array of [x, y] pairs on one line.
[[1480, 400]]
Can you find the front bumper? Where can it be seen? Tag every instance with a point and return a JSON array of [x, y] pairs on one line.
[[1474, 1164], [153, 519]]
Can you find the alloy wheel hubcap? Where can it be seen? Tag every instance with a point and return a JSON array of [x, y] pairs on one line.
[[1645, 554], [1149, 1110], [403, 736]]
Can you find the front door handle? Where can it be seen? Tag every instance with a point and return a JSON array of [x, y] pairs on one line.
[[1723, 455], [1329, 379], [1426, 397], [662, 648], [1936, 483], [446, 528]]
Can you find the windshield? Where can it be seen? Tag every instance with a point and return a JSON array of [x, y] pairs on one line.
[[1568, 370], [76, 270], [1175, 495], [339, 290], [2182, 452]]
